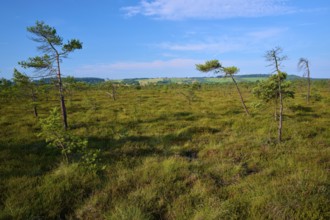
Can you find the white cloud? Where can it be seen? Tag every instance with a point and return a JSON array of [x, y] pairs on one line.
[[266, 34], [223, 44], [208, 9], [177, 63], [165, 68], [127, 69]]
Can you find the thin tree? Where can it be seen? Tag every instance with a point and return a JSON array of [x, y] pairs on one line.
[[275, 59], [54, 50], [303, 64], [215, 65], [111, 88], [27, 87], [190, 95], [5, 91]]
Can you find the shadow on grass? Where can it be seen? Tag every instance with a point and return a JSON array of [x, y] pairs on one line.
[[143, 146], [300, 108], [31, 159]]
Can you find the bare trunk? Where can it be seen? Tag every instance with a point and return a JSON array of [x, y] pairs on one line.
[[113, 92], [34, 99], [280, 122], [240, 95], [60, 85], [275, 112], [309, 84], [309, 90], [35, 111]]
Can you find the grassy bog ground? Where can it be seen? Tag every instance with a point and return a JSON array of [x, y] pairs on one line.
[[168, 159]]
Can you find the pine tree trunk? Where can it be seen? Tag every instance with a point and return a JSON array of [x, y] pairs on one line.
[[34, 99], [275, 112], [240, 95], [280, 122], [113, 92], [60, 85], [35, 111], [309, 84]]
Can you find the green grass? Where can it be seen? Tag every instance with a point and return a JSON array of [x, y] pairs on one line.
[[167, 159]]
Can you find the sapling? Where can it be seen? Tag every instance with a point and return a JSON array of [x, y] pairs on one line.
[[72, 148]]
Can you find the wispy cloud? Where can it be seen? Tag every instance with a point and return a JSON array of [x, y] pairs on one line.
[[226, 43], [157, 64], [208, 9], [164, 68], [266, 33], [203, 46], [124, 69]]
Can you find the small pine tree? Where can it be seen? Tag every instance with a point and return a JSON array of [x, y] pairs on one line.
[[268, 90], [54, 50], [275, 58], [216, 66]]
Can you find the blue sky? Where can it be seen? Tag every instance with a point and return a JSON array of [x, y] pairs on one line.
[[166, 38]]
